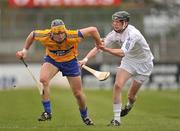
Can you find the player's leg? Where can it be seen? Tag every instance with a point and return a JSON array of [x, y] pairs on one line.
[[121, 77], [131, 97], [132, 92], [48, 71], [143, 71], [73, 75], [76, 85]]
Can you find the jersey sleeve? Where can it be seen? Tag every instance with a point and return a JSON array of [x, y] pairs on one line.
[[80, 34], [40, 34], [74, 36], [108, 40]]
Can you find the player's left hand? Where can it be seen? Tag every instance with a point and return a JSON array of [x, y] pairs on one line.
[[82, 62]]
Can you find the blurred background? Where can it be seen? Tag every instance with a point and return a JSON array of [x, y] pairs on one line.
[[158, 21]]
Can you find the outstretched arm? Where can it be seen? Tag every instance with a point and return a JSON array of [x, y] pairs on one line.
[[92, 32], [116, 52], [23, 53], [29, 41], [91, 54]]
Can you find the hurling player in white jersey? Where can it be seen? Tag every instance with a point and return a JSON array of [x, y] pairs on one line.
[[136, 63]]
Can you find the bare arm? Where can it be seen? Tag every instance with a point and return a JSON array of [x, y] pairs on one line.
[[116, 52], [29, 41], [93, 32], [23, 53], [90, 55]]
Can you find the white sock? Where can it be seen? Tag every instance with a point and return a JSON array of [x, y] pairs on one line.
[[117, 112]]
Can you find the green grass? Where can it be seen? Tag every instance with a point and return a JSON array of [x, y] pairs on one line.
[[153, 111]]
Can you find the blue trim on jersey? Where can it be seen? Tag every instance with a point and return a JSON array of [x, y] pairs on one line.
[[69, 68], [61, 52], [128, 44], [80, 34], [33, 34]]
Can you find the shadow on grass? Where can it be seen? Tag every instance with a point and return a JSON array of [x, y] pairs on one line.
[[172, 117]]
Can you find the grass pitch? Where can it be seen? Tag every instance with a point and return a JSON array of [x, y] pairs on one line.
[[153, 111]]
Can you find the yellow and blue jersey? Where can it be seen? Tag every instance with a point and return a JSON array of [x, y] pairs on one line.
[[65, 51]]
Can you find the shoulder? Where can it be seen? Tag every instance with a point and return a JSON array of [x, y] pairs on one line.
[[110, 37], [41, 33], [72, 34], [111, 34], [133, 31]]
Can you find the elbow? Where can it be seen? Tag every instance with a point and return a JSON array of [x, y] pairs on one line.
[[121, 54], [93, 29]]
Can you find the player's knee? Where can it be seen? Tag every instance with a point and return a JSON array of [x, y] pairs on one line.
[[44, 81], [78, 95], [117, 86]]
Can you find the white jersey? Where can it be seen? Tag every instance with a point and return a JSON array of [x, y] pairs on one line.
[[132, 43]]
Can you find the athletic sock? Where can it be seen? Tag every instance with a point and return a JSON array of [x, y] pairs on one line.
[[117, 112], [83, 112], [47, 106]]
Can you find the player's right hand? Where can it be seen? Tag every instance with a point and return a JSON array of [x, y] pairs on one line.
[[21, 54]]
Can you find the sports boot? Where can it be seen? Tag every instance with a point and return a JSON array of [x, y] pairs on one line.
[[125, 110], [114, 123], [88, 121], [45, 116]]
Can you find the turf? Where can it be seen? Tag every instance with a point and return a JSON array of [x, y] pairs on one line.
[[153, 111]]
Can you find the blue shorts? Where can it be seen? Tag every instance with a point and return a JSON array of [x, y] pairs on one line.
[[69, 68]]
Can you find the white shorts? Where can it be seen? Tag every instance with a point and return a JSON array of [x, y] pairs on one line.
[[140, 71]]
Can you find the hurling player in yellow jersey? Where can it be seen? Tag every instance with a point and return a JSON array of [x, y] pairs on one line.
[[61, 52]]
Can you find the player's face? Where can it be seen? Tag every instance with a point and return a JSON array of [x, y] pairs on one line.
[[117, 25], [59, 37]]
